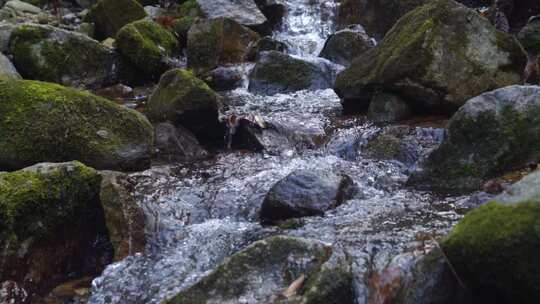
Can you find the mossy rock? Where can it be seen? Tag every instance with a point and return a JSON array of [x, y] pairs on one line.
[[148, 46], [275, 261], [276, 72], [495, 248], [185, 100], [45, 236], [47, 122], [436, 57], [213, 42], [54, 55], [111, 15], [490, 134]]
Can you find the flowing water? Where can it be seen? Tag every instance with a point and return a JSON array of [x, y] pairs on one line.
[[201, 213]]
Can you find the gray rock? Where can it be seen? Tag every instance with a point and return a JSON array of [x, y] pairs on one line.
[[244, 12], [489, 134], [345, 45], [7, 69], [50, 54], [276, 72], [306, 193]]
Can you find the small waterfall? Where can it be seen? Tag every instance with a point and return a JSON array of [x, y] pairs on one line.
[[307, 25]]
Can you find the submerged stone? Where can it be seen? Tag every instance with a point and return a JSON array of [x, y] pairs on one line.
[[306, 193]]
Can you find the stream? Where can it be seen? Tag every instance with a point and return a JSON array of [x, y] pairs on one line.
[[200, 213]]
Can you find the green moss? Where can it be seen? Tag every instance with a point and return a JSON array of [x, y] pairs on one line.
[[47, 122], [35, 205], [148, 45], [495, 249]]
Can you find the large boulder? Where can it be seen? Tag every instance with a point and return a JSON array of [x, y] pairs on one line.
[[148, 46], [244, 12], [110, 16], [7, 69], [495, 248], [276, 270], [276, 72], [216, 42], [489, 134], [51, 226], [47, 122], [185, 100], [55, 55], [437, 57], [345, 45], [306, 193]]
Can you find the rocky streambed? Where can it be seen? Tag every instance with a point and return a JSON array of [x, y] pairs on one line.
[[291, 151]]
